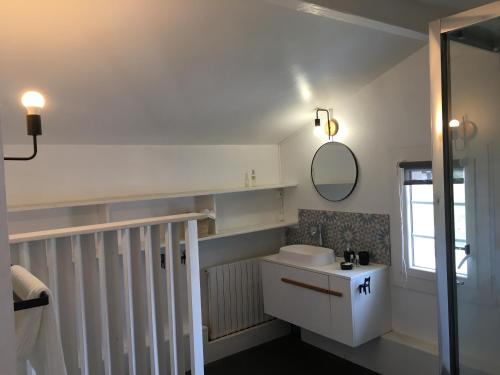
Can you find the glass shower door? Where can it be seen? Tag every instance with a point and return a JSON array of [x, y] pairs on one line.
[[473, 112]]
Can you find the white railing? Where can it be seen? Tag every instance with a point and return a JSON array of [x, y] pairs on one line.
[[118, 310]]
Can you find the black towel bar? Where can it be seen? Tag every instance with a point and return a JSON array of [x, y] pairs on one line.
[[19, 304]]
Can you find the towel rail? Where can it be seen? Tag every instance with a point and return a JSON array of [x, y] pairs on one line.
[[19, 304]]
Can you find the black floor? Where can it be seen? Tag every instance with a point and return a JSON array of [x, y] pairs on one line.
[[287, 355]]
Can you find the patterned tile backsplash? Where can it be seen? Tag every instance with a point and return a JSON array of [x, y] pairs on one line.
[[362, 232]]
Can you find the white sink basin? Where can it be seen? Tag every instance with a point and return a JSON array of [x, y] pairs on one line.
[[307, 255]]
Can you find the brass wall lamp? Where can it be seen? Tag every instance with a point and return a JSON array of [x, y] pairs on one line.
[[331, 125], [33, 101]]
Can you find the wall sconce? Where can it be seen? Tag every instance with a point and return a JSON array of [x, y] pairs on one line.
[[331, 125], [33, 101], [454, 123], [462, 131]]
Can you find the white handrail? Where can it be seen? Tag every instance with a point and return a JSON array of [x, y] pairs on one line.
[[96, 228], [89, 281]]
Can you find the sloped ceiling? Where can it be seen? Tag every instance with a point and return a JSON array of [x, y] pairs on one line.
[[180, 71], [411, 14], [449, 7]]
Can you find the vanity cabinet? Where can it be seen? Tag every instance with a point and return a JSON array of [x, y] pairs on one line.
[[293, 304], [327, 300]]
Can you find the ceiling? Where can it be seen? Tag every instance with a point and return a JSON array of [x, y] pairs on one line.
[[453, 6], [181, 71], [485, 35], [411, 14]]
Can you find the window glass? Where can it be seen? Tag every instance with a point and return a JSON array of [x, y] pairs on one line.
[[421, 175], [420, 225], [460, 229], [423, 253], [459, 193], [421, 193], [423, 219]]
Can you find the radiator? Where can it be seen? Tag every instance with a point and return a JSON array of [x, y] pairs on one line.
[[234, 297]]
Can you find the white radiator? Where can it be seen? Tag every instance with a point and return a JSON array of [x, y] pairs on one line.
[[234, 297]]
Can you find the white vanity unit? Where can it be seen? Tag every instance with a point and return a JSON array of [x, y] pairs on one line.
[[325, 299]]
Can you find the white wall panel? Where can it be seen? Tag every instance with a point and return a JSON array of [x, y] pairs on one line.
[[7, 350], [64, 173]]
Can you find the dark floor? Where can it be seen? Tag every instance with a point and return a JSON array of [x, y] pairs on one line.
[[287, 355]]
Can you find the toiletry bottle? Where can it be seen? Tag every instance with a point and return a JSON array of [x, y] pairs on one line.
[[281, 216], [253, 178], [353, 257], [247, 180], [347, 254]]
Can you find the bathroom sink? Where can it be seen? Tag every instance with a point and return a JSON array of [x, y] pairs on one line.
[[307, 255]]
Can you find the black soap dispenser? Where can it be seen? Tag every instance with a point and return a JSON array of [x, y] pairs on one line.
[[349, 259], [347, 255]]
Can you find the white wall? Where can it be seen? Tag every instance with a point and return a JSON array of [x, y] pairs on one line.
[[7, 349], [69, 172], [385, 122]]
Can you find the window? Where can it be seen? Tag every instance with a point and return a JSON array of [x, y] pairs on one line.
[[418, 217]]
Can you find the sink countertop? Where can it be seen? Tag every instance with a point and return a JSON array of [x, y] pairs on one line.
[[329, 269]]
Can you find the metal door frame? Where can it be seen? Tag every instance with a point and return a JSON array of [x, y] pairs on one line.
[[443, 188]]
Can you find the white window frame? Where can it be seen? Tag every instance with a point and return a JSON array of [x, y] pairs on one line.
[[429, 274], [407, 237]]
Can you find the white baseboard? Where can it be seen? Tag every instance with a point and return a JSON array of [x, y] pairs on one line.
[[391, 354], [397, 353], [246, 339]]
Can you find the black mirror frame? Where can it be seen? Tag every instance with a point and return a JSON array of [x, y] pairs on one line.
[[355, 164]]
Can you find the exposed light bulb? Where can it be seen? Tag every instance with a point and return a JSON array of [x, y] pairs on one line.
[[33, 101], [454, 123], [319, 132]]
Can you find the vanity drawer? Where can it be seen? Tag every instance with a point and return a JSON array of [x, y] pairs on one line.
[[297, 296]]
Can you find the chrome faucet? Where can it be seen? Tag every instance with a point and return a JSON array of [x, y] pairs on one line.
[[318, 230]]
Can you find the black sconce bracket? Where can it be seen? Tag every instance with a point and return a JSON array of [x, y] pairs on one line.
[[34, 128]]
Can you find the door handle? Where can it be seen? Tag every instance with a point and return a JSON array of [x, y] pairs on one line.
[[466, 248]]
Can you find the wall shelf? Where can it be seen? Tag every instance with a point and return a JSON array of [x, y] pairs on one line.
[[230, 211], [147, 197], [246, 230]]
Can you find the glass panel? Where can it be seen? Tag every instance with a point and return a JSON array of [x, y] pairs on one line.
[[475, 104], [422, 175], [421, 193], [459, 193], [458, 175], [423, 253], [423, 219], [460, 229]]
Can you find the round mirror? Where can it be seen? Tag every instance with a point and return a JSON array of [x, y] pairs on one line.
[[334, 171]]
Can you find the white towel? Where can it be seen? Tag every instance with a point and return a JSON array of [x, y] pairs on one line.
[[38, 337]]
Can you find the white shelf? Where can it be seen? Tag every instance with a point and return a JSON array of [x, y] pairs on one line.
[[245, 230], [109, 200]]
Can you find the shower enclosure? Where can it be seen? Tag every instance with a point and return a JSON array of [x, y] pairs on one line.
[[465, 95]]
